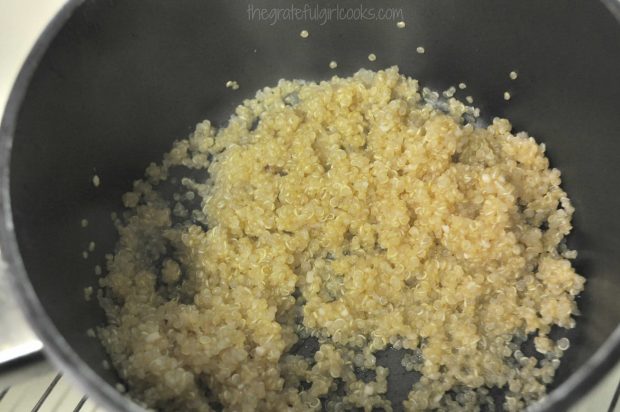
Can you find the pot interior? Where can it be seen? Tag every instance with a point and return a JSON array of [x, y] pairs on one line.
[[121, 80]]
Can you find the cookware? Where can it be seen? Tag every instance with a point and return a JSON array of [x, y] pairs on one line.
[[110, 84]]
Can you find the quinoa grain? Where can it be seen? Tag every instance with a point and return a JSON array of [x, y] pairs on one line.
[[232, 84], [357, 214]]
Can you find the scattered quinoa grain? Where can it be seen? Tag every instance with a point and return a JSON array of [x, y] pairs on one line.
[[507, 96], [98, 270], [513, 75], [91, 246], [304, 34], [333, 64], [91, 333], [130, 201], [85, 254], [232, 84], [462, 86], [372, 57], [88, 293], [84, 222], [450, 91], [469, 99], [420, 50], [96, 181], [401, 24], [563, 344], [570, 254]]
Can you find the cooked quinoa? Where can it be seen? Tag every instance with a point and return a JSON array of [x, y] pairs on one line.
[[232, 84], [357, 214]]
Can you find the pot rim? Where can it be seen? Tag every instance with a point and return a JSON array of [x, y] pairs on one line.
[[58, 349]]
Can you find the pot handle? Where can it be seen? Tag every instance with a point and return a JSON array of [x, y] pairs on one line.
[[17, 340]]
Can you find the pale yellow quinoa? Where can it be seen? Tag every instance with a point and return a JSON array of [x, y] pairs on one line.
[[354, 212]]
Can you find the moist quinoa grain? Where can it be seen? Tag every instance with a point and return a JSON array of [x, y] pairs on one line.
[[358, 215], [232, 84]]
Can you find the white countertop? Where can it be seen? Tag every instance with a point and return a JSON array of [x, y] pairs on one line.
[[21, 21]]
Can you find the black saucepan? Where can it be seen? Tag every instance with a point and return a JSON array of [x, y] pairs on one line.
[[110, 84]]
